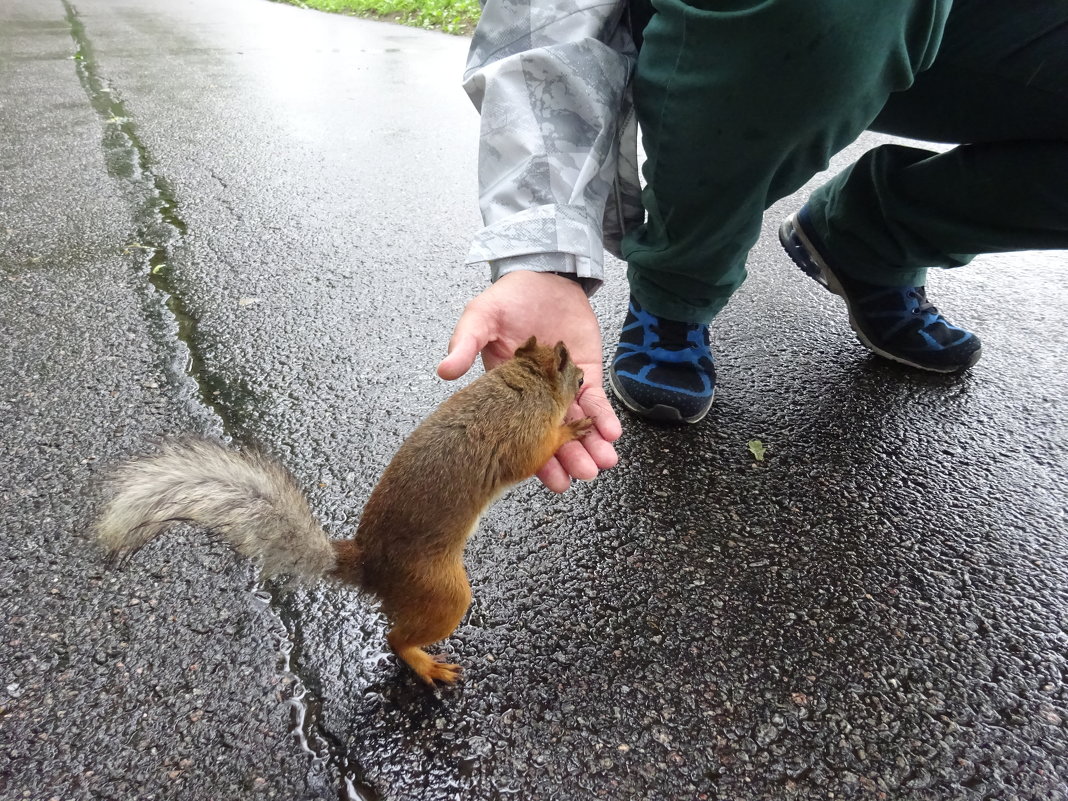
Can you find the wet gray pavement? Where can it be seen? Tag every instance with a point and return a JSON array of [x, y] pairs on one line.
[[247, 219]]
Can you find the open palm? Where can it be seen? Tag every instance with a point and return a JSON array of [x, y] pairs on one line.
[[523, 304]]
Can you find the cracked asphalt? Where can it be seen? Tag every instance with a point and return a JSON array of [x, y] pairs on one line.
[[247, 219]]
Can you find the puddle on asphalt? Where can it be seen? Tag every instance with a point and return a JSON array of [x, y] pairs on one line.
[[323, 748]]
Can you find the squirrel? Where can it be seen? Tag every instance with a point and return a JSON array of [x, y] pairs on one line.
[[408, 547]]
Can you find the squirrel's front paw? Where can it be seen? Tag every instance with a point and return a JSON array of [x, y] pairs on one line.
[[579, 428]]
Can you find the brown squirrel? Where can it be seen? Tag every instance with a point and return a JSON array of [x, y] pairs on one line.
[[408, 548]]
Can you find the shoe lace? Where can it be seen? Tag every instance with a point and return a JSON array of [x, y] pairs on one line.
[[920, 294], [917, 293]]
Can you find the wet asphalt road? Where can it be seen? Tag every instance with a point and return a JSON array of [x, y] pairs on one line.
[[247, 219]]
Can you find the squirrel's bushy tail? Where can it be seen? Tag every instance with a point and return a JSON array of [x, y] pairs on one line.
[[245, 497]]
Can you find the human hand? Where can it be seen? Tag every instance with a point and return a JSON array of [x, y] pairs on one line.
[[552, 308]]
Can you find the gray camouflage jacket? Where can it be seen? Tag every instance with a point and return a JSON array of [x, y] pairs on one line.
[[557, 164]]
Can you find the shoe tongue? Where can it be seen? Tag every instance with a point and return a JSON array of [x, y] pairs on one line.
[[674, 334]]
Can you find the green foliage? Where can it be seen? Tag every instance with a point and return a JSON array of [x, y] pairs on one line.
[[451, 16]]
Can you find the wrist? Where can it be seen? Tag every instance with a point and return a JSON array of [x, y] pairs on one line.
[[561, 265], [570, 276], [546, 283], [542, 282]]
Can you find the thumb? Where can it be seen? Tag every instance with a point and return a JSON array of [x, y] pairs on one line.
[[468, 339]]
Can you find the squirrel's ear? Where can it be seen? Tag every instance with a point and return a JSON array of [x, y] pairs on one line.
[[527, 347], [562, 356]]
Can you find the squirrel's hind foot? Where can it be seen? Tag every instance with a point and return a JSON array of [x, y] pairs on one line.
[[429, 668]]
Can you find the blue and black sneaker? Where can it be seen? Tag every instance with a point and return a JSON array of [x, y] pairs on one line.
[[663, 369], [897, 323]]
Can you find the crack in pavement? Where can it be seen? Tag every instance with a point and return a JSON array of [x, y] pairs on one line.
[[160, 231]]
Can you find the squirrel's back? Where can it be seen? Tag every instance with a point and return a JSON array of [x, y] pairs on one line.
[[457, 462]]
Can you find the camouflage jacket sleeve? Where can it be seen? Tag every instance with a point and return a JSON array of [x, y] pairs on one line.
[[557, 168]]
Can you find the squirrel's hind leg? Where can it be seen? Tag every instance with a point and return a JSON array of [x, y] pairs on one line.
[[426, 618]]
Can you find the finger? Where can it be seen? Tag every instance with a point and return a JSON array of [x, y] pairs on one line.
[[577, 462], [600, 449], [594, 403], [602, 452], [463, 349], [472, 333], [553, 476]]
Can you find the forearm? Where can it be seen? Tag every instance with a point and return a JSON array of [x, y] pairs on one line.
[[550, 79]]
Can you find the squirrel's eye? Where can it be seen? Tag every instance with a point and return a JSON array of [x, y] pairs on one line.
[[581, 381]]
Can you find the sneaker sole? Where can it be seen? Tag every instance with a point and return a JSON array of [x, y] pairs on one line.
[[659, 412], [805, 255]]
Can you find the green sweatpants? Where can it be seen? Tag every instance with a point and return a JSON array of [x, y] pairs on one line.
[[742, 101]]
